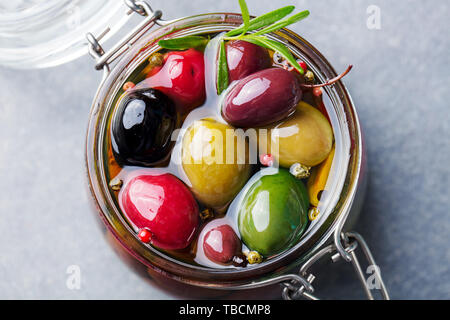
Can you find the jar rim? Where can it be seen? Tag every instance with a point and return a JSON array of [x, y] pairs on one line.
[[184, 272]]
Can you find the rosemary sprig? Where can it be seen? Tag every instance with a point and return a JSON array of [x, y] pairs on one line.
[[267, 23]]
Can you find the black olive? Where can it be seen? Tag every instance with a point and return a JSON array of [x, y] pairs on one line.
[[142, 127]]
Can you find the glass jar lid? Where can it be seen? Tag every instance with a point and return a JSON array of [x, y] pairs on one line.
[[46, 33]]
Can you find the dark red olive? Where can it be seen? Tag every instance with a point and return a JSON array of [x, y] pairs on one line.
[[141, 130], [164, 206], [221, 244], [245, 58], [262, 98]]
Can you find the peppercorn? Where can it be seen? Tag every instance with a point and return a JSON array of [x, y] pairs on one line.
[[300, 171], [145, 235], [266, 160], [129, 85], [156, 60], [303, 65], [239, 260], [206, 214], [309, 76], [254, 257], [313, 213], [317, 92], [116, 184]]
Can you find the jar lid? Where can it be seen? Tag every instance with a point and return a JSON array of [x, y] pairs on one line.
[[46, 33]]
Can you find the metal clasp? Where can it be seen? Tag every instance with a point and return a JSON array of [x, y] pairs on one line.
[[352, 241], [105, 58], [294, 290]]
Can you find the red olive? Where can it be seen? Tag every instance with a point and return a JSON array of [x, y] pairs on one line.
[[221, 244], [163, 205], [245, 58], [262, 98], [181, 78]]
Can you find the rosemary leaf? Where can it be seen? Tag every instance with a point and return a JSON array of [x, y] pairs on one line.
[[284, 23], [262, 21], [222, 69], [245, 15], [183, 43]]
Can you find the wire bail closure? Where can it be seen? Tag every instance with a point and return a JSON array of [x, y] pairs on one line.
[[294, 290], [138, 8], [105, 58]]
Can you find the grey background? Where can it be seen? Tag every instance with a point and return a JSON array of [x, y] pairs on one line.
[[400, 85]]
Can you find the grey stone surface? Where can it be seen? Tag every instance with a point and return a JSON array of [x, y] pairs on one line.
[[400, 85]]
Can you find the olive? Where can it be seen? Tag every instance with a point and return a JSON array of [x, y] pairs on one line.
[[245, 58], [142, 126], [221, 244], [306, 137], [181, 78], [216, 171], [274, 212], [262, 98], [163, 208]]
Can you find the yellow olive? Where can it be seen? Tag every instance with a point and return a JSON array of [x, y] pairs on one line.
[[306, 137], [214, 162]]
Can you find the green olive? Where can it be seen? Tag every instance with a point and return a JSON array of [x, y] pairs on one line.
[[274, 213], [212, 165], [306, 137]]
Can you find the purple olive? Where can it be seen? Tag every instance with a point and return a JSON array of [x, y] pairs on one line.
[[245, 58], [262, 98], [221, 244]]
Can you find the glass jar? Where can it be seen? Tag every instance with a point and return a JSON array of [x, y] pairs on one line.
[[40, 34], [326, 237]]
